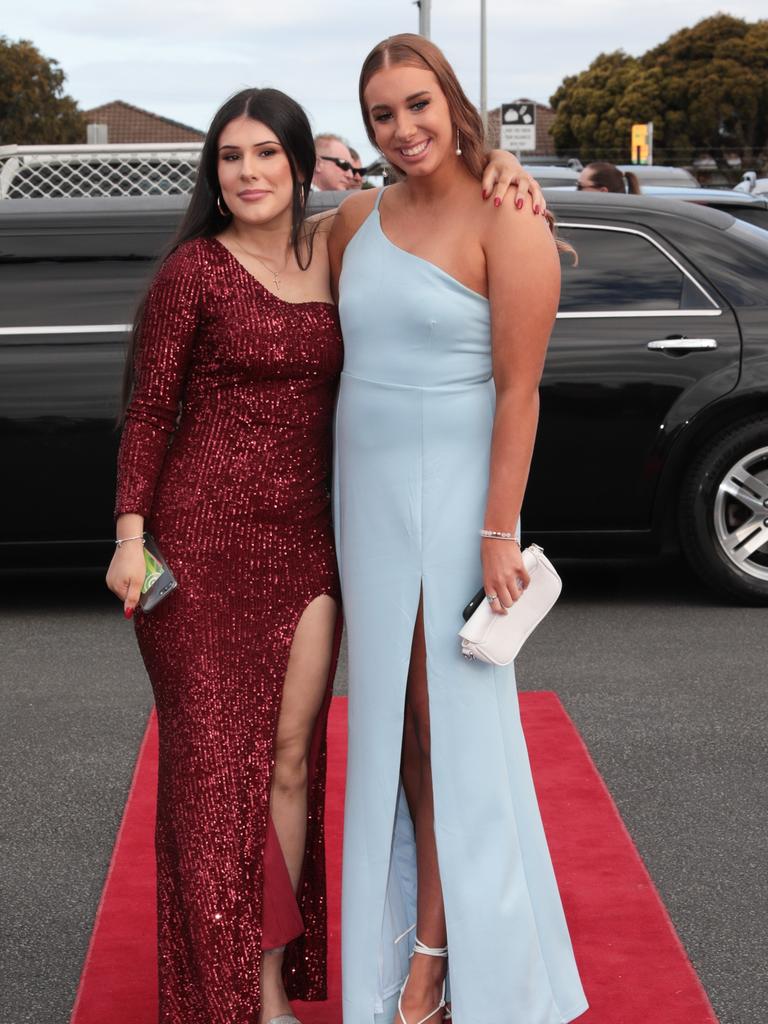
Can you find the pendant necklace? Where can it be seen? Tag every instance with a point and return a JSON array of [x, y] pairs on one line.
[[275, 273]]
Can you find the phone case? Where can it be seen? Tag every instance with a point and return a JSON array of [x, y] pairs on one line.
[[159, 581], [473, 605]]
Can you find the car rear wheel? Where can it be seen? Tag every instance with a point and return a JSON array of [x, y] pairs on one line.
[[723, 517]]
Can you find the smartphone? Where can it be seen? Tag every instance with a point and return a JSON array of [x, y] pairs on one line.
[[474, 604], [159, 581]]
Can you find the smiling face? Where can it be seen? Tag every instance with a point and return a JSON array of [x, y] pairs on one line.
[[411, 118], [254, 172]]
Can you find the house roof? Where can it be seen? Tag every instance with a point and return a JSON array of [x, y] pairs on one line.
[[126, 123]]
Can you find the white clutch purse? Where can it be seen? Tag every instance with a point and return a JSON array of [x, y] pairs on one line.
[[497, 639]]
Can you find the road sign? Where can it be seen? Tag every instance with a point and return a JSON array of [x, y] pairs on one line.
[[518, 126], [642, 143]]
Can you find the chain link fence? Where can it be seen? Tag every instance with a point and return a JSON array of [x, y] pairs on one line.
[[71, 172]]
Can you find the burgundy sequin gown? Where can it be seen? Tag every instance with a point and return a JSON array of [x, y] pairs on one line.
[[235, 490]]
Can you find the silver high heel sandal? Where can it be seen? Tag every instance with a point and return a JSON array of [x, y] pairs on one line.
[[419, 947]]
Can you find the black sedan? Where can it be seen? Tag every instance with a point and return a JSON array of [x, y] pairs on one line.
[[654, 424]]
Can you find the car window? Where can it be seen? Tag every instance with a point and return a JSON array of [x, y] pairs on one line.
[[757, 215], [622, 271]]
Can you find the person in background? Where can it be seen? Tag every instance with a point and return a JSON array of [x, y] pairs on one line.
[[602, 176], [357, 169], [333, 171]]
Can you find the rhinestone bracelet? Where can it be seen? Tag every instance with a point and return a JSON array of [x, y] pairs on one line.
[[121, 540], [499, 535]]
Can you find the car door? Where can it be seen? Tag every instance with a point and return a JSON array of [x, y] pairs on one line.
[[63, 332], [640, 343]]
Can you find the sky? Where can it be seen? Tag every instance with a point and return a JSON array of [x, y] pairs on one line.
[[182, 60]]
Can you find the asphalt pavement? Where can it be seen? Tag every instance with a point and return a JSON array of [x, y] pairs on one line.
[[666, 684]]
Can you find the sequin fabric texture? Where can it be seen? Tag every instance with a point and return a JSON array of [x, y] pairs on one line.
[[226, 453]]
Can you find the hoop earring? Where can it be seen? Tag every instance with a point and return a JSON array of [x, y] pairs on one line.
[[458, 143], [221, 207]]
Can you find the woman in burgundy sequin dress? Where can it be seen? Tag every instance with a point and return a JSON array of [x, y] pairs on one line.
[[225, 458]]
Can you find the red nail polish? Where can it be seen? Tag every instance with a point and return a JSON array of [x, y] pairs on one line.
[[485, 194], [535, 209], [497, 201], [128, 613], [519, 204]]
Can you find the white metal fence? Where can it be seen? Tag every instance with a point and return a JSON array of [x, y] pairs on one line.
[[66, 172]]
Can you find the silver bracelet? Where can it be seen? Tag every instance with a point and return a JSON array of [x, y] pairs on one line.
[[499, 535], [119, 543]]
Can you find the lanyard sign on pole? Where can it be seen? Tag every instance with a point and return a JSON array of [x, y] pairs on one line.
[[518, 126], [642, 143]]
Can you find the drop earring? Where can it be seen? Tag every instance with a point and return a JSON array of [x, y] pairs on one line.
[[458, 143]]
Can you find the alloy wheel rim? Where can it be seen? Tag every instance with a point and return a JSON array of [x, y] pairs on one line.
[[741, 514]]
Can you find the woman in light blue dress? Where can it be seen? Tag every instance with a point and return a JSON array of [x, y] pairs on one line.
[[446, 307]]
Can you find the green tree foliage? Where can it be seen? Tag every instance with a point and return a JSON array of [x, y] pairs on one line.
[[705, 88], [34, 110]]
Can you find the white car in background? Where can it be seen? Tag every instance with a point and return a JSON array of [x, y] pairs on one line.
[[752, 185]]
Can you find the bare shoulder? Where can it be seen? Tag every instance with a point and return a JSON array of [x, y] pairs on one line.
[[322, 221], [318, 231], [506, 227], [359, 204], [351, 214]]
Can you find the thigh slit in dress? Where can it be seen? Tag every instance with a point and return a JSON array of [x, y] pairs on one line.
[[234, 488], [412, 447]]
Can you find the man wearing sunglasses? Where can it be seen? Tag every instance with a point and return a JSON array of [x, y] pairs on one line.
[[335, 170]]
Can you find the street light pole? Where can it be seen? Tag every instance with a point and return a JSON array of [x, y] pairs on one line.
[[483, 68], [425, 10]]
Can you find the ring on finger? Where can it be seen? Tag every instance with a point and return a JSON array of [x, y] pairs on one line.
[[490, 598]]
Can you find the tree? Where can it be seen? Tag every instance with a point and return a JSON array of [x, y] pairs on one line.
[[34, 110], [704, 88], [591, 107]]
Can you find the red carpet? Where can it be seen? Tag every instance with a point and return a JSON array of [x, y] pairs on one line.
[[634, 968]]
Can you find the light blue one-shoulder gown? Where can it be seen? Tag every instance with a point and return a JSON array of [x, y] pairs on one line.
[[413, 433]]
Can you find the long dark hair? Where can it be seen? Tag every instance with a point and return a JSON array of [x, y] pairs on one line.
[[204, 219], [609, 176]]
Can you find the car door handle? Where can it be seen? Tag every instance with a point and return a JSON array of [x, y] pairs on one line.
[[681, 344]]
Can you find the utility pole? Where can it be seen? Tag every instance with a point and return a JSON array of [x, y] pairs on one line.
[[483, 68], [425, 11]]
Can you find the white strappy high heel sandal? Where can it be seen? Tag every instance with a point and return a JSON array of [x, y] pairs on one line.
[[419, 947]]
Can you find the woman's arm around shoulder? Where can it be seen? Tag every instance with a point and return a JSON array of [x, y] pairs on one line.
[[523, 271], [349, 216]]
